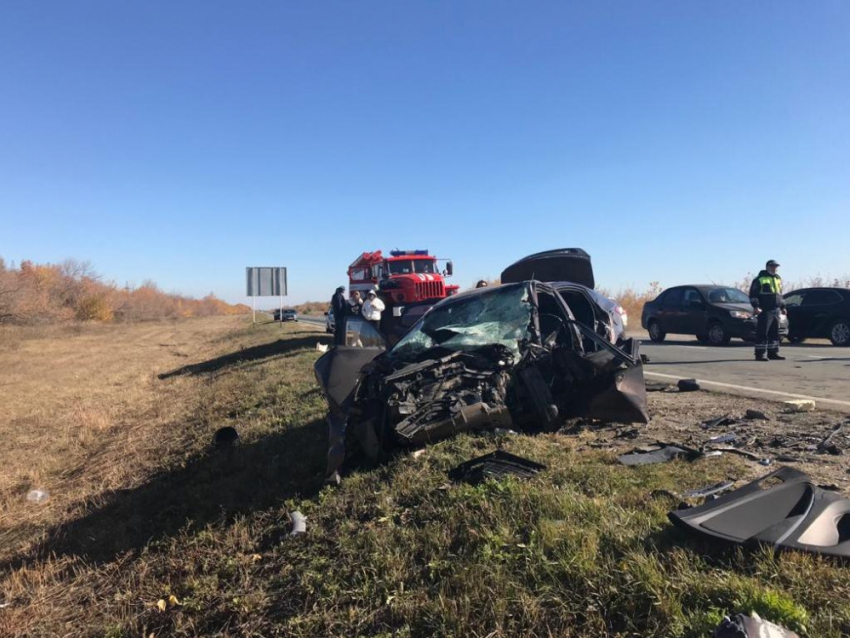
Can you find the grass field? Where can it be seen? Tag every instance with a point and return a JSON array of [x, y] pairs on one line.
[[150, 531]]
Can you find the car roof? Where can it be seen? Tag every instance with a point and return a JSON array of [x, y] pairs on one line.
[[701, 286], [832, 288]]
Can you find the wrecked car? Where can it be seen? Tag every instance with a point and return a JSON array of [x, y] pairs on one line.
[[512, 356]]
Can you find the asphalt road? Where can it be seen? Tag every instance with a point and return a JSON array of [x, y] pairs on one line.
[[319, 321], [817, 371]]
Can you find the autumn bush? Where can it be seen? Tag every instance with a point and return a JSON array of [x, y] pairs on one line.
[[73, 291], [312, 307]]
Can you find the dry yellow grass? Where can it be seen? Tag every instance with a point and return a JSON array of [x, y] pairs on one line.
[[82, 412], [116, 422]]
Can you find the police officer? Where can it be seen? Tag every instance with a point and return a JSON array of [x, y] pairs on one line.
[[768, 304]]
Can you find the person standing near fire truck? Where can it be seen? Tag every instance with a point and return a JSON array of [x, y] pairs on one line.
[[372, 309], [768, 305], [340, 309]]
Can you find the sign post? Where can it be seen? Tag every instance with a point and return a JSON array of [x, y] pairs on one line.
[[265, 282]]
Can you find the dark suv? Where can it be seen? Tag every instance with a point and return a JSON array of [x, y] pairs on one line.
[[714, 314], [819, 312]]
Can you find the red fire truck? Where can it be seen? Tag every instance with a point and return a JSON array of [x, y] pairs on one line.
[[408, 282], [403, 277]]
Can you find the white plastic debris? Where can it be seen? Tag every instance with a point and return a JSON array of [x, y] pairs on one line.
[[38, 496], [322, 347], [800, 405], [299, 523]]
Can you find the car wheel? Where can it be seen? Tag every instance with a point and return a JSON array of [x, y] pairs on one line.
[[717, 335], [839, 334], [656, 333], [702, 338], [795, 338]]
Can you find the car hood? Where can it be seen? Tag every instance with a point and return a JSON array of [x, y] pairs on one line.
[[563, 264], [741, 307]]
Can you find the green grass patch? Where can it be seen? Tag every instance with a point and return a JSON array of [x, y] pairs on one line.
[[584, 549]]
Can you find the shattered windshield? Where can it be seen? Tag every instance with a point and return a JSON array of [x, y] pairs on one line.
[[501, 315]]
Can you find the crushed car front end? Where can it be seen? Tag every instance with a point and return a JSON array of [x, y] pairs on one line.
[[512, 356]]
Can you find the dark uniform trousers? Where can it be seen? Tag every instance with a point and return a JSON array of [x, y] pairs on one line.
[[767, 332]]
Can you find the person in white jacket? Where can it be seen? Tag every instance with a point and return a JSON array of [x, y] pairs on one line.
[[372, 309]]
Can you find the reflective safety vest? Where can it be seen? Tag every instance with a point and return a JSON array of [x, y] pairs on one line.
[[770, 284]]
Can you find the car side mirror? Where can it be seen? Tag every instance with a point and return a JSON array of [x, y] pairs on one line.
[[449, 269]]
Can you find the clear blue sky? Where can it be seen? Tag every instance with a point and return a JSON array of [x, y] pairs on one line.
[[182, 141]]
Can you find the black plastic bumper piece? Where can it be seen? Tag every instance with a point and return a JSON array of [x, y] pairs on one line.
[[495, 465]]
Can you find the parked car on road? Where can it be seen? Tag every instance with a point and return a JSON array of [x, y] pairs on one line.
[[288, 314], [819, 313], [713, 314]]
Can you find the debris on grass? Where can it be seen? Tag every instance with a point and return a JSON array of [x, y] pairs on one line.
[[799, 405], [739, 452], [688, 385], [225, 437], [299, 523], [784, 509], [710, 490], [495, 465], [756, 415], [628, 433], [720, 421], [724, 438], [659, 453], [741, 626], [40, 497], [827, 446]]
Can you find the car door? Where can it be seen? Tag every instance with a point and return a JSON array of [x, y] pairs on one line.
[[819, 310], [798, 323], [671, 307], [693, 313], [338, 374]]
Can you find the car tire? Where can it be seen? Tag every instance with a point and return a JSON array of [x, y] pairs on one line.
[[839, 333], [655, 333], [795, 338], [717, 334], [703, 338]]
